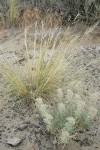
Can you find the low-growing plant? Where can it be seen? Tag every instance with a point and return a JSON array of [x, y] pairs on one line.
[[70, 115]]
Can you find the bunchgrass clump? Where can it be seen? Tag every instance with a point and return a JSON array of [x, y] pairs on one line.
[[42, 74], [16, 80], [49, 67]]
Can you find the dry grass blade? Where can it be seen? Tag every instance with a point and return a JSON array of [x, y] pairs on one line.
[[50, 67], [47, 69], [12, 11], [43, 73], [14, 79]]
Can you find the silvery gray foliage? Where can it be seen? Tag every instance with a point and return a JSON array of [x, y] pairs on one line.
[[68, 116]]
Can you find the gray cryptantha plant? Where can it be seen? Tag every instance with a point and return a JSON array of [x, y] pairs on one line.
[[67, 118]]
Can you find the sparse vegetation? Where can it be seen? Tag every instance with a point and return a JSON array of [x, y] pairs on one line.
[[56, 13], [48, 70], [70, 115], [50, 76], [44, 72], [49, 67], [15, 79]]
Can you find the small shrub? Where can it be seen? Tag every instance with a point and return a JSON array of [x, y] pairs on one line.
[[67, 117]]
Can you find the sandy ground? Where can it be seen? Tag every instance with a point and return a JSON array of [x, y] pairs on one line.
[[19, 120]]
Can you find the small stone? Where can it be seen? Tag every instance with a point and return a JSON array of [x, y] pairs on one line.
[[7, 116], [41, 121], [37, 130], [2, 130], [96, 147], [92, 133], [22, 128], [34, 125], [76, 140], [81, 131], [14, 141], [86, 142], [98, 127], [49, 145], [30, 139], [26, 122]]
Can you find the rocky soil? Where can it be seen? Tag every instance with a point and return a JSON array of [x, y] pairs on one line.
[[20, 126]]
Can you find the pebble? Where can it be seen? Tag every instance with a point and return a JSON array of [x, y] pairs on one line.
[[22, 128], [26, 122], [41, 122], [48, 145], [7, 116], [34, 125], [86, 142], [92, 133], [14, 141]]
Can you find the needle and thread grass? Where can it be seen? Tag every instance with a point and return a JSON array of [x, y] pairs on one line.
[[42, 75], [50, 66]]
